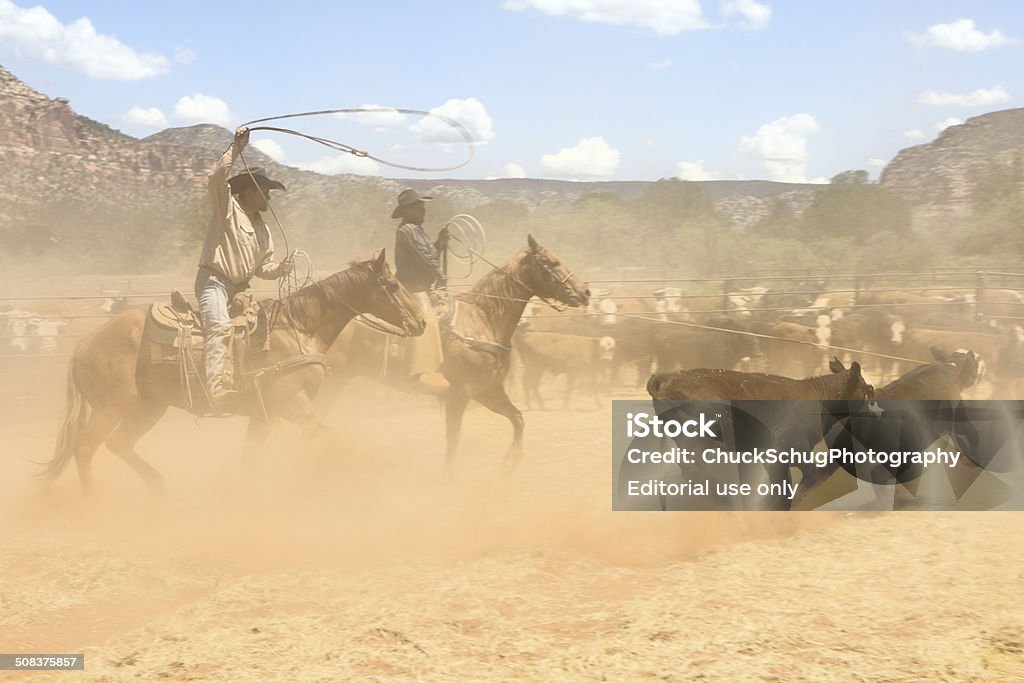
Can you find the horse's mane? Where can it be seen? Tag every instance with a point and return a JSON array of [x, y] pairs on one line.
[[306, 307], [498, 287]]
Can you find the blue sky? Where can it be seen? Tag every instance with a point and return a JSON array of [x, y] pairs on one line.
[[570, 89]]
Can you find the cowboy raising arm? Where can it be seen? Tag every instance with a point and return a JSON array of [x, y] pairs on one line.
[[238, 245]]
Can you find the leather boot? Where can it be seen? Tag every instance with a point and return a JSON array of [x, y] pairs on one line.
[[223, 397]]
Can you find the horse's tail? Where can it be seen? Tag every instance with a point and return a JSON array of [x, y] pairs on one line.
[[75, 416]]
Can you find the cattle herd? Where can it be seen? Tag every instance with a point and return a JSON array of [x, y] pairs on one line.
[[791, 331], [628, 332]]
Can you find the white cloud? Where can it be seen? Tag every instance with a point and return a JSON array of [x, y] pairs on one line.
[[960, 35], [381, 119], [38, 35], [591, 157], [183, 55], [982, 97], [877, 162], [650, 144], [782, 146], [914, 134], [658, 66], [149, 116], [470, 112], [755, 15], [200, 108], [270, 148], [513, 170], [664, 17], [694, 170], [820, 181], [342, 163], [946, 123]]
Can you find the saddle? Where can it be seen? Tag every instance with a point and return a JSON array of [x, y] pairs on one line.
[[174, 335], [447, 321]]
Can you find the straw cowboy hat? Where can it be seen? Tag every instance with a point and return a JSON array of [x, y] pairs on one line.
[[245, 180], [408, 198]]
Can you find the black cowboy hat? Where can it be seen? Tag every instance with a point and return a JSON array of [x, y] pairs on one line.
[[408, 198], [245, 179]]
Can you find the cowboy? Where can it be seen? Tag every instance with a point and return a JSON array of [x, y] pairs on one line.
[[237, 247], [418, 267]]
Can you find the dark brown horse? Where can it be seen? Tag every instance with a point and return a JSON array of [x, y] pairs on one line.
[[477, 344], [116, 394]]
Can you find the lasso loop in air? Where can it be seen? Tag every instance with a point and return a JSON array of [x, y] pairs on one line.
[[341, 147]]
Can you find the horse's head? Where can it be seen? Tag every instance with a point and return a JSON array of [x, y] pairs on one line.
[[544, 273], [390, 301], [857, 390]]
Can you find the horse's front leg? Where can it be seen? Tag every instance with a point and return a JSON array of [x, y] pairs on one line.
[[255, 438], [454, 408], [497, 400]]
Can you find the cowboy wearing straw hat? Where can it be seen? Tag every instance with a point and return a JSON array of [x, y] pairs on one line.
[[418, 267], [237, 248]]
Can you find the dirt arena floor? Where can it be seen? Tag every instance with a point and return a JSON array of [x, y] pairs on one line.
[[368, 565]]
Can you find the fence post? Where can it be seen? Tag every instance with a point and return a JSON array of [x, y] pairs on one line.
[[979, 293], [726, 288]]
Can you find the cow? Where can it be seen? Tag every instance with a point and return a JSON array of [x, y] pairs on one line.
[[918, 343], [907, 423], [17, 329], [781, 419], [578, 358], [987, 303], [709, 384], [796, 349], [912, 305], [25, 330], [876, 331], [1009, 367], [680, 347]]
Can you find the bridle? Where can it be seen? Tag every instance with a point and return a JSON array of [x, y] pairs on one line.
[[381, 325], [535, 254], [567, 291]]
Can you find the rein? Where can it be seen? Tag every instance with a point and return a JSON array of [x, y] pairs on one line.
[[379, 325]]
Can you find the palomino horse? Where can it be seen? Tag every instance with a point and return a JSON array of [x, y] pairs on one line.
[[115, 394], [478, 339]]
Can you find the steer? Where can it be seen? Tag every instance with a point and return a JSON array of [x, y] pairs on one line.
[[772, 424], [908, 424], [586, 358]]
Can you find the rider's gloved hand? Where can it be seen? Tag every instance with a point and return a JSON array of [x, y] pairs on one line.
[[438, 297], [287, 265]]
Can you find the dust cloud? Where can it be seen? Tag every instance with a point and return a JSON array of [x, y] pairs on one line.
[[368, 560]]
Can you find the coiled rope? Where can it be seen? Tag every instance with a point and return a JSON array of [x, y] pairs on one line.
[[292, 281]]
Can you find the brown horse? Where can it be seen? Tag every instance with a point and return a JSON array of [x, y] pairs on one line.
[[116, 394], [478, 339]]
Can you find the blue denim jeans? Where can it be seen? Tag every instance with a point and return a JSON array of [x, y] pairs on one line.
[[214, 293]]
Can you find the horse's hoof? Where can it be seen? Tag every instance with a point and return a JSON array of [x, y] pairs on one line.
[[451, 476], [508, 467]]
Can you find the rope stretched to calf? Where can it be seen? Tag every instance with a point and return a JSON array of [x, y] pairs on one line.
[[727, 330]]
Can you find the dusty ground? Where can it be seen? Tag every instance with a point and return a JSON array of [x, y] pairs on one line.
[[371, 566]]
